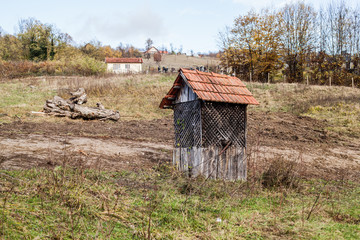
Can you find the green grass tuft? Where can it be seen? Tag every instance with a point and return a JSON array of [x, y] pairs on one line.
[[78, 203]]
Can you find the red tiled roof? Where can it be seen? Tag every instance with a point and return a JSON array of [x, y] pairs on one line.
[[123, 60], [147, 51], [211, 87]]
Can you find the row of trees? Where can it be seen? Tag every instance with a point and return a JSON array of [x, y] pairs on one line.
[[295, 42], [36, 41], [38, 49]]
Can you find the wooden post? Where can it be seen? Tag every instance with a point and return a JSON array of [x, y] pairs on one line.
[[307, 80], [284, 78], [250, 76], [352, 82], [268, 78], [330, 81]]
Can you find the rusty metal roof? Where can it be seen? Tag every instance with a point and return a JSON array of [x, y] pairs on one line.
[[123, 60], [210, 87]]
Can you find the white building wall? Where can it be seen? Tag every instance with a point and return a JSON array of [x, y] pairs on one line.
[[124, 67], [109, 67]]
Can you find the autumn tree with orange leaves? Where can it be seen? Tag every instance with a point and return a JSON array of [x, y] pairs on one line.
[[253, 48]]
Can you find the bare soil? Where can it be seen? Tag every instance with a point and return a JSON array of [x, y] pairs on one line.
[[133, 145]]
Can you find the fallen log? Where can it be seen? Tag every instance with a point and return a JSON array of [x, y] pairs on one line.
[[79, 96], [73, 108]]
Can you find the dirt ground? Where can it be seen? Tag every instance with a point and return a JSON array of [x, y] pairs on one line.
[[132, 145]]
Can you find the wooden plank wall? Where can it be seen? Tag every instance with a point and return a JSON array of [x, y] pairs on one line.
[[230, 165], [186, 94]]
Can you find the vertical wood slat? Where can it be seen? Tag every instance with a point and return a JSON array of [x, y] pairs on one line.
[[200, 138], [191, 160], [220, 165], [197, 170], [176, 157], [215, 159], [204, 156], [244, 162], [184, 160], [230, 165]]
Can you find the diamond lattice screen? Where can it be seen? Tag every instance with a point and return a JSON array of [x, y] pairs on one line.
[[187, 124], [223, 123]]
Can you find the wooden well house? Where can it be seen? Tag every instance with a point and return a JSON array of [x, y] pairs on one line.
[[210, 124]]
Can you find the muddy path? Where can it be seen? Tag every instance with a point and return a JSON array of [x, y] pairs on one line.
[[131, 145]]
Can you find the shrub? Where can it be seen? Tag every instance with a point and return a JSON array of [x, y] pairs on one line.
[[88, 66], [78, 66], [280, 173]]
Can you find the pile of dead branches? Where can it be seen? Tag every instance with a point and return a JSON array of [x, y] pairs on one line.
[[73, 108]]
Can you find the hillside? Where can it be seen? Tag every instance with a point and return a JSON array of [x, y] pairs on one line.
[[180, 61]]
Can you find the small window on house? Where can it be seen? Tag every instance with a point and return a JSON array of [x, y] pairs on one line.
[[127, 66], [116, 66]]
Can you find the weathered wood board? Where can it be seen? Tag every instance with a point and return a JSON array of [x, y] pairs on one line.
[[229, 165]]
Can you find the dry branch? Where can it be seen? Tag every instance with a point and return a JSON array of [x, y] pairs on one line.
[[73, 108]]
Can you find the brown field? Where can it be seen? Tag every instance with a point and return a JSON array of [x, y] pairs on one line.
[[145, 133], [74, 179]]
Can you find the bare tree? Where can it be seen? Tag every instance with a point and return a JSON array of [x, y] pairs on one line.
[[298, 21], [172, 48], [244, 34], [148, 43], [180, 49]]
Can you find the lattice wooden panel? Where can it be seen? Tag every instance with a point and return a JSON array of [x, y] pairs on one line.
[[223, 123], [187, 124]]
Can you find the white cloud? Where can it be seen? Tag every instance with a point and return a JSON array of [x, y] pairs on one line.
[[122, 26]]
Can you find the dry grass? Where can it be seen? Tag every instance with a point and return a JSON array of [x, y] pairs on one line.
[[339, 106], [73, 202], [134, 96], [138, 97], [181, 61]]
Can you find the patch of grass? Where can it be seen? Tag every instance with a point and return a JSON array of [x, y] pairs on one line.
[[134, 96], [78, 203], [19, 98], [139, 96], [342, 117], [339, 106]]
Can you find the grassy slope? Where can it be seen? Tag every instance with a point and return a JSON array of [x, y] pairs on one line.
[[66, 202], [180, 61]]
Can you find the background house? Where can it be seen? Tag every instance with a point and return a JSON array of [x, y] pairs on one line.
[[151, 50], [124, 65]]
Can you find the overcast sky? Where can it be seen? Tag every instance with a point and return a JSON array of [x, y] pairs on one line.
[[192, 24]]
